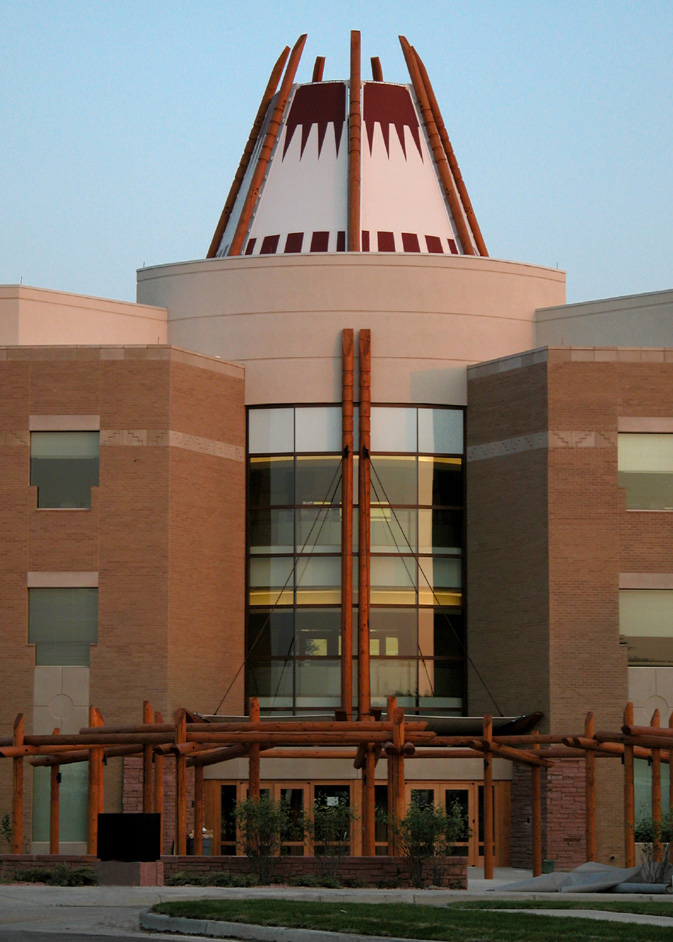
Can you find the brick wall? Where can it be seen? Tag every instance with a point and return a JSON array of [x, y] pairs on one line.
[[132, 794]]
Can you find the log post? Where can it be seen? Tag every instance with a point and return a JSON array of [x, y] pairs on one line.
[[398, 742], [368, 803], [17, 787], [94, 799], [536, 811], [159, 789], [488, 798], [54, 805], [670, 779], [589, 792], [198, 810], [347, 521], [391, 763], [180, 786], [354, 145], [254, 771], [656, 790], [364, 471], [629, 801], [148, 797]]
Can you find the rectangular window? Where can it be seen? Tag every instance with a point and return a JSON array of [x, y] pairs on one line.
[[64, 467], [62, 624], [645, 463], [646, 623]]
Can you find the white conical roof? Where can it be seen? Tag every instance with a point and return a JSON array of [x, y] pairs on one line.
[[293, 196]]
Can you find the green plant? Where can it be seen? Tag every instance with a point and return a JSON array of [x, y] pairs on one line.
[[261, 822], [60, 875], [427, 835], [330, 831], [655, 838], [218, 878], [314, 879], [6, 828]]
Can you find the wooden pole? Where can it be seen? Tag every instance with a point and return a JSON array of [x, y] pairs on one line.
[[318, 69], [589, 792], [536, 811], [354, 145], [368, 803], [269, 92], [54, 806], [198, 810], [148, 796], [629, 801], [267, 148], [159, 790], [180, 786], [347, 521], [17, 787], [254, 771], [443, 169], [451, 157], [391, 770], [377, 71], [364, 702], [488, 800], [656, 790], [94, 800], [670, 781]]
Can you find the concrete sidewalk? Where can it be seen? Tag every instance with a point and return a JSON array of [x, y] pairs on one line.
[[111, 911]]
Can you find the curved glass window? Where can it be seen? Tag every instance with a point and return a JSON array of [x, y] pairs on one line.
[[417, 648]]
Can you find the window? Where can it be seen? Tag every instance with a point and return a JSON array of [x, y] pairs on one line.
[[62, 624], [646, 623], [64, 467], [645, 463]]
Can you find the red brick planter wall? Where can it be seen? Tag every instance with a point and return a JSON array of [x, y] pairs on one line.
[[370, 871]]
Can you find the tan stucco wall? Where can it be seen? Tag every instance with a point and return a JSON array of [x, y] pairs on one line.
[[282, 316], [641, 320], [36, 316]]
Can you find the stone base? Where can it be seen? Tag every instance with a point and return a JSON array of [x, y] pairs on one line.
[[135, 873]]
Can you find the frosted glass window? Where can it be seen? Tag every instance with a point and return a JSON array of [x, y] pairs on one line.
[[440, 531], [318, 682], [397, 678], [271, 682], [646, 623], [318, 480], [64, 467], [318, 632], [62, 624], [393, 480], [393, 580], [318, 428], [270, 431], [440, 431], [438, 576], [319, 571], [645, 465], [393, 530], [319, 531], [271, 572], [395, 629], [393, 429], [73, 803]]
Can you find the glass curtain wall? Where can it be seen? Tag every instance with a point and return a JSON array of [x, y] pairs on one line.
[[294, 563]]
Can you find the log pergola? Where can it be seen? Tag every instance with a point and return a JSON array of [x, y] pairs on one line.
[[194, 742]]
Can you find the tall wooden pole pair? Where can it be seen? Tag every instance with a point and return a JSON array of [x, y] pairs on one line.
[[364, 472]]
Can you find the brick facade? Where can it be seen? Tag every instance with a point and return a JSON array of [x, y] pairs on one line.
[[548, 535], [165, 532]]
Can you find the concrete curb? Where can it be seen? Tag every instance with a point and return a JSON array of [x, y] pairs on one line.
[[251, 933]]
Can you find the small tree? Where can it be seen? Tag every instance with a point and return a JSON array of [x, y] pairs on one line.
[[6, 828], [260, 823], [330, 831], [427, 835], [655, 838]]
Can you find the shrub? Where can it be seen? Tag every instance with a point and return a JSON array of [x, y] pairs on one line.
[[60, 875], [330, 830], [427, 835], [217, 878], [656, 838], [261, 823], [6, 828], [314, 879]]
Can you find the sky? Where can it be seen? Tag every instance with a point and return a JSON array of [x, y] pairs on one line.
[[123, 122]]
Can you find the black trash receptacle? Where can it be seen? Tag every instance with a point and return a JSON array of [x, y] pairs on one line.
[[129, 836]]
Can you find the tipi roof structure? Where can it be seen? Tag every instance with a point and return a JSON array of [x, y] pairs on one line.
[[357, 166]]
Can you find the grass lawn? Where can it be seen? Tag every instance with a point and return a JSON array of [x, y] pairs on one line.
[[460, 922]]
